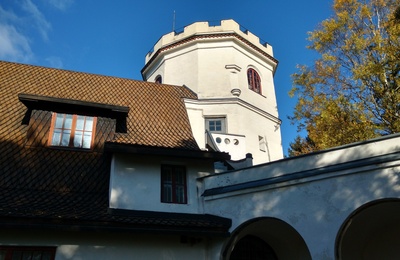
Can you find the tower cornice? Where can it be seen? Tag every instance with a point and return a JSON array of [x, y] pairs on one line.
[[234, 100], [229, 29]]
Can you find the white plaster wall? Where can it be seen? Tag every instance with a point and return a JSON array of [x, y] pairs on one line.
[[315, 209], [181, 66], [240, 120], [317, 206], [314, 161], [157, 69], [135, 183], [212, 67], [201, 67], [100, 246]]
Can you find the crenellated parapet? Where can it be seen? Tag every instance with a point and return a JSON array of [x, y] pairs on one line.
[[199, 30]]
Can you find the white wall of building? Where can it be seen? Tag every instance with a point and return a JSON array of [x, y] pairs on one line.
[[107, 246], [241, 119], [135, 183], [214, 66], [315, 205], [201, 66]]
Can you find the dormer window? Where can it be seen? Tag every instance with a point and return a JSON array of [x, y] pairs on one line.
[[254, 80], [74, 131]]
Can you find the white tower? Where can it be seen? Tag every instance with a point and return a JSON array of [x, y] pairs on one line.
[[232, 74]]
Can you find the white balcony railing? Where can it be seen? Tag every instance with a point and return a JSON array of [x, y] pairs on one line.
[[233, 144]]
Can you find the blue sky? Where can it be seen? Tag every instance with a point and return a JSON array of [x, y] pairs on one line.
[[112, 37]]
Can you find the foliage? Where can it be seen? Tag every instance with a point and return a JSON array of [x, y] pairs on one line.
[[351, 93]]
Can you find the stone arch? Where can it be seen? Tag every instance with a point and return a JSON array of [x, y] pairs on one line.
[[371, 232], [270, 238]]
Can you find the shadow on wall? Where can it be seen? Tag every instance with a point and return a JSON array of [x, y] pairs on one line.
[[371, 232], [315, 196], [278, 240]]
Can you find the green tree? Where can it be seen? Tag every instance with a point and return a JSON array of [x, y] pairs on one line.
[[351, 93]]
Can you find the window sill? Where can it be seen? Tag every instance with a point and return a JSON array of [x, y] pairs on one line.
[[74, 149]]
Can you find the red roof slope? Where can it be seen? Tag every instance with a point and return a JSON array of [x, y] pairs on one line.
[[157, 115]]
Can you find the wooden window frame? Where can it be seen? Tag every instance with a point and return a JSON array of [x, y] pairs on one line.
[[254, 80], [11, 251], [73, 131], [174, 184]]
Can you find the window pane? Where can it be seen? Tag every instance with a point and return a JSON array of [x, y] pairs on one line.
[[167, 174], [78, 139], [80, 122], [218, 125], [167, 184], [167, 193], [87, 140], [37, 255], [66, 134], [180, 194], [215, 124], [212, 125], [56, 137], [27, 255], [59, 121], [89, 123], [180, 176], [254, 80], [68, 121]]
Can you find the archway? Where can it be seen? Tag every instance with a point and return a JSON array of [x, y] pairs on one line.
[[371, 232], [265, 238], [252, 247]]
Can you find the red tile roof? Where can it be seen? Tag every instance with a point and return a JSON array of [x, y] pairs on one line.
[[157, 115]]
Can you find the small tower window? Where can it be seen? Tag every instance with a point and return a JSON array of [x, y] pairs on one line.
[[215, 124], [261, 143], [158, 79], [254, 80]]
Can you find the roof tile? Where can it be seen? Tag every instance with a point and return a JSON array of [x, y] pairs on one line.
[[157, 115]]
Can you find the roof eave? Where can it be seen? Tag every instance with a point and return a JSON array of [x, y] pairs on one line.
[[194, 37], [165, 151], [102, 227]]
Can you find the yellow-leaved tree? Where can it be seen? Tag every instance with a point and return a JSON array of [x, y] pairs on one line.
[[352, 91]]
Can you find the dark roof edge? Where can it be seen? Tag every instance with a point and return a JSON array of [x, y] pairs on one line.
[[303, 174], [225, 222], [12, 223], [205, 35], [38, 101], [166, 151]]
